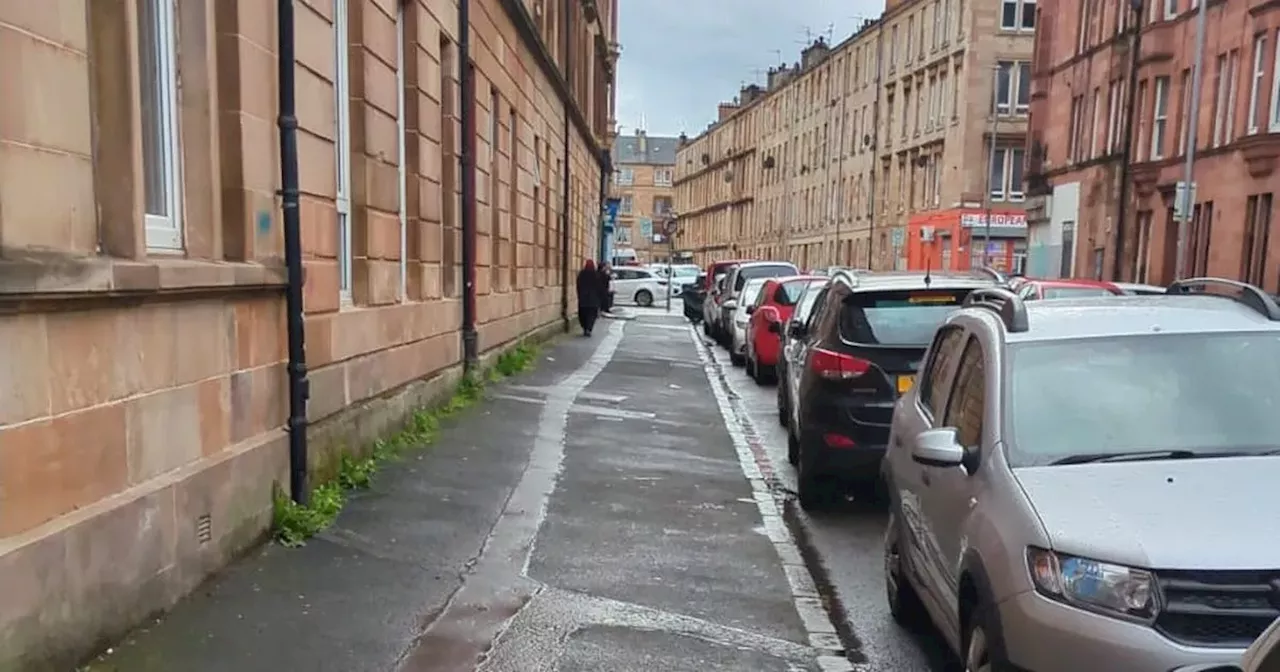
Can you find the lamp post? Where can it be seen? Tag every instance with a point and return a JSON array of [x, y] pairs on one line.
[[1188, 171]]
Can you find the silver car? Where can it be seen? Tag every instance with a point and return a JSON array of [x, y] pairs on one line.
[[1091, 484], [738, 318]]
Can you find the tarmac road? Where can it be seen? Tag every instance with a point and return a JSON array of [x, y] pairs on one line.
[[846, 547]]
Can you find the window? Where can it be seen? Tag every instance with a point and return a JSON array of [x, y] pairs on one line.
[[1093, 122], [1255, 82], [1185, 120], [943, 353], [911, 32], [1115, 112], [1013, 87], [966, 407], [624, 176], [662, 177], [1257, 233], [1023, 101], [936, 10], [1018, 14], [1159, 117], [1004, 86], [1006, 175], [161, 158], [624, 205], [893, 48], [342, 144], [1220, 112], [1074, 139], [1274, 122], [1199, 236]]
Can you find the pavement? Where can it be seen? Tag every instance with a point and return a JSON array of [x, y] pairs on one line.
[[625, 506]]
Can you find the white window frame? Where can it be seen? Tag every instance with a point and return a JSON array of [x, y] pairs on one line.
[[164, 232], [1220, 101], [1273, 124], [1113, 116], [663, 177], [1159, 117], [1255, 82], [1005, 107], [1019, 14], [1093, 123], [342, 144], [1233, 91], [626, 204], [1021, 108], [626, 176], [1170, 9], [1184, 125], [402, 153]]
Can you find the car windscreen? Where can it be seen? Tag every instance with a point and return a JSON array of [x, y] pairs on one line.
[[808, 300], [750, 293], [1212, 393], [1074, 292], [897, 317], [765, 271]]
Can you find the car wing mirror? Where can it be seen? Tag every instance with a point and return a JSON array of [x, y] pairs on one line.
[[751, 310], [730, 304], [796, 329], [938, 448]]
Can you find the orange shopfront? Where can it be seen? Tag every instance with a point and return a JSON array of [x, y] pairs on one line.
[[942, 240]]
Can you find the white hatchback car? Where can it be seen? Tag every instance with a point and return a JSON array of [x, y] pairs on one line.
[[639, 286]]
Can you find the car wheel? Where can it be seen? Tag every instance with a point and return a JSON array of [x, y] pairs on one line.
[[904, 603], [816, 492], [977, 643], [644, 298], [736, 359], [782, 408]]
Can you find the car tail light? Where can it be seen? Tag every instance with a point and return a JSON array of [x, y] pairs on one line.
[[837, 366]]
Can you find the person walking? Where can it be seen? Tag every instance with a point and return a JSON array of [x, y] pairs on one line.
[[606, 287], [590, 296]]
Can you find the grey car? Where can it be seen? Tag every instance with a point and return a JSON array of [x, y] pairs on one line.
[[1091, 484]]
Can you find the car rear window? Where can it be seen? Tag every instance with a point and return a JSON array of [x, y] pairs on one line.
[[1199, 392], [1074, 292], [901, 317], [769, 271], [789, 292]]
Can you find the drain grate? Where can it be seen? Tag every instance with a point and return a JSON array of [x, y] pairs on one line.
[[204, 528]]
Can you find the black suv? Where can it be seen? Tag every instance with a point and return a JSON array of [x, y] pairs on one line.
[[855, 355]]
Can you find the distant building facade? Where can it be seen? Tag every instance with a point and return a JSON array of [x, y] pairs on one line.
[[867, 153], [643, 183]]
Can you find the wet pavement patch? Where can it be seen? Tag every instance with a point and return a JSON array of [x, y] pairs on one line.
[[628, 650]]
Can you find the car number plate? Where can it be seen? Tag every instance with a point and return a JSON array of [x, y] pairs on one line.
[[905, 383]]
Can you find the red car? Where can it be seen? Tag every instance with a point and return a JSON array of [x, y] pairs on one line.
[[776, 303], [1030, 288]]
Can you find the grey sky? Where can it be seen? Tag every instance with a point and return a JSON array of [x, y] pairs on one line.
[[682, 57]]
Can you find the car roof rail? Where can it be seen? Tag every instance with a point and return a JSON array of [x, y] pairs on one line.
[[1008, 305], [1247, 294], [991, 273]]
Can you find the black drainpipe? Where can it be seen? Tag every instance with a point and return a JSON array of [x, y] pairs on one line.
[[606, 169], [470, 355], [564, 190], [1117, 262], [299, 387]]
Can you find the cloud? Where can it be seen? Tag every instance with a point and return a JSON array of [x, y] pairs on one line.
[[682, 57]]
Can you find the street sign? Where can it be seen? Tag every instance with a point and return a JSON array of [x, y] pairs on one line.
[[898, 237], [670, 227], [1183, 201], [646, 228]]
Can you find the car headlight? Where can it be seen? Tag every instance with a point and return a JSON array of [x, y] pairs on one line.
[[1115, 590]]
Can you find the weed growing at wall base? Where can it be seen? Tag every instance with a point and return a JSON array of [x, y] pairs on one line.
[[295, 524]]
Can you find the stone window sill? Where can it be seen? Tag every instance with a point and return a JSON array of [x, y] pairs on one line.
[[38, 276]]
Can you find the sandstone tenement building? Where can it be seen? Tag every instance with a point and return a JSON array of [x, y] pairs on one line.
[[142, 373], [643, 177], [875, 152]]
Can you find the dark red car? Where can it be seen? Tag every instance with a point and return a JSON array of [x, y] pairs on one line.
[[764, 340], [1031, 288]]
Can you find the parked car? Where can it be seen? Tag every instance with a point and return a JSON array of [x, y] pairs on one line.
[[682, 272], [692, 295], [1029, 288], [1076, 488], [858, 353], [711, 313], [810, 296], [764, 327], [747, 299], [738, 277], [637, 285], [1137, 289]]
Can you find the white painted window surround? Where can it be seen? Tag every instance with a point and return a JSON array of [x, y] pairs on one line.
[[342, 143], [161, 146], [1274, 121]]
